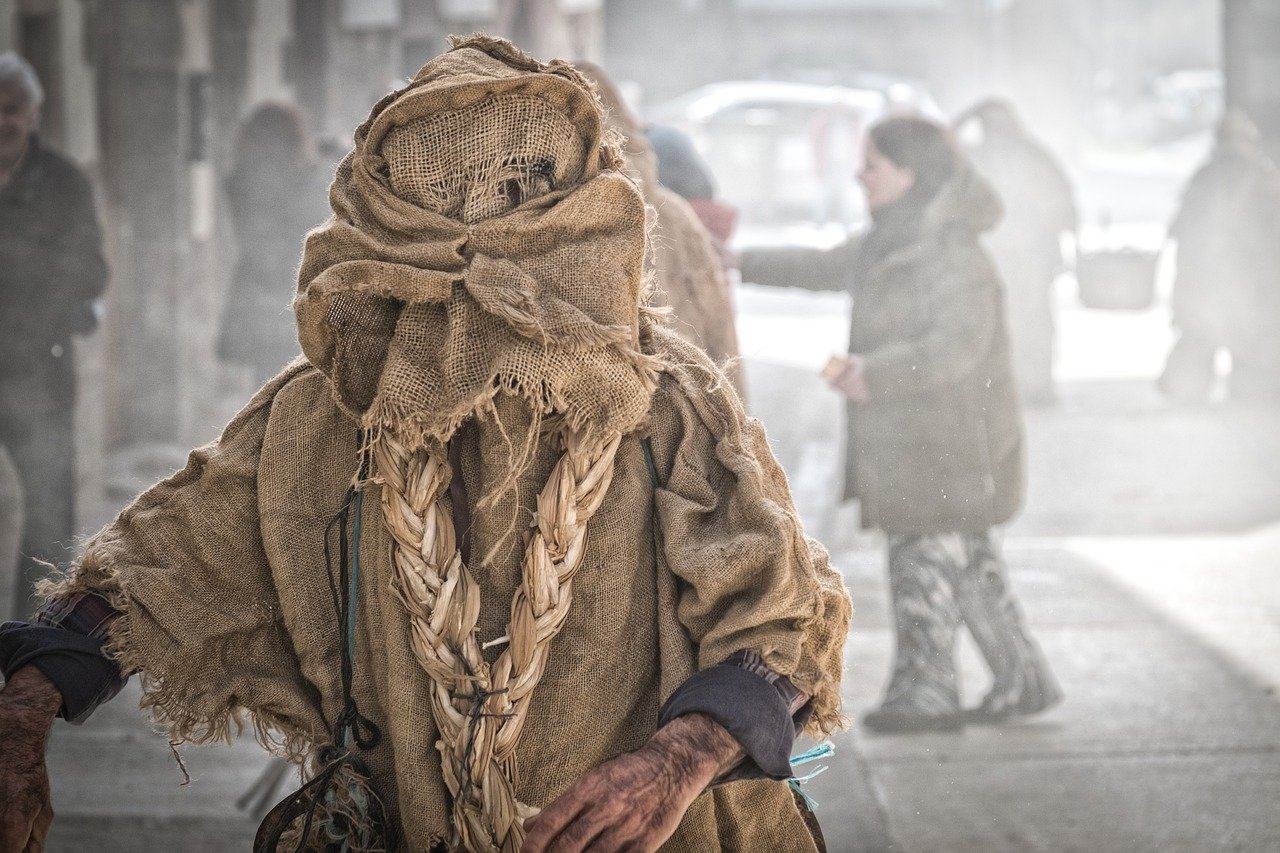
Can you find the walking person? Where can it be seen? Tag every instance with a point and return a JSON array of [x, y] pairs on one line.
[[51, 272], [1027, 244], [1226, 292], [277, 193], [934, 445]]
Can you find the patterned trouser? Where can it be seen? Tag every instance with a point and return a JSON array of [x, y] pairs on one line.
[[939, 581]]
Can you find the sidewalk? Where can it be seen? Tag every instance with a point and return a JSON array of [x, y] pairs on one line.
[[1150, 580], [1164, 742]]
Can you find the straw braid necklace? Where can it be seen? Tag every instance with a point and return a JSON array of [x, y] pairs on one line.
[[480, 709]]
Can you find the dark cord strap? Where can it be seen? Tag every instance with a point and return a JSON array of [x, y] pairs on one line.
[[647, 446], [363, 732]]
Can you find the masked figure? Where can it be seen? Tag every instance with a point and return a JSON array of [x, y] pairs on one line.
[[501, 543]]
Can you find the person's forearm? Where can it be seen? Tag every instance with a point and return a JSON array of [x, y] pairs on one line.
[[636, 800], [31, 697], [697, 747]]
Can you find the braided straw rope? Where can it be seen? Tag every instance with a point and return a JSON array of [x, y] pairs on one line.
[[480, 709]]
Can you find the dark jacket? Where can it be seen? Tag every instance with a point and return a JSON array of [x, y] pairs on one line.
[[938, 446], [1227, 291], [51, 267]]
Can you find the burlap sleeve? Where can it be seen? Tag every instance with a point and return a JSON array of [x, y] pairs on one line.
[[199, 616], [750, 578]]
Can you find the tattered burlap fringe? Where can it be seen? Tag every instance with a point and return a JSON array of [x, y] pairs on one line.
[[169, 698]]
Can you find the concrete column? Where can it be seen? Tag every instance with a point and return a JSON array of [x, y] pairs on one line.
[[310, 65], [141, 128], [1251, 62], [6, 25], [268, 38], [199, 298], [79, 110]]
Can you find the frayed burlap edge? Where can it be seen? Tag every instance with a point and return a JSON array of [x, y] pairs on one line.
[[415, 432], [173, 707]]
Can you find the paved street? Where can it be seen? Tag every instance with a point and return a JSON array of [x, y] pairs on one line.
[[1147, 563]]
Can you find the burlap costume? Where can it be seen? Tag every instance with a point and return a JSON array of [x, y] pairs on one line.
[[688, 274], [484, 313]]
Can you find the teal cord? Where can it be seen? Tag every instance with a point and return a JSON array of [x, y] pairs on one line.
[[822, 750]]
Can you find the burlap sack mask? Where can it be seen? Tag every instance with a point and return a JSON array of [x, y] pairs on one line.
[[483, 241]]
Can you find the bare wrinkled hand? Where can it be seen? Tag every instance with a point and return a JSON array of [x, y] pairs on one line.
[[636, 801], [27, 705]]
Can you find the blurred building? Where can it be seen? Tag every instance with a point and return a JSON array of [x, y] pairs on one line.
[[1061, 61], [1251, 36], [147, 96]]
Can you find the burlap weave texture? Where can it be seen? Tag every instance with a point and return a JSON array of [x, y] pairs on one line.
[[220, 573]]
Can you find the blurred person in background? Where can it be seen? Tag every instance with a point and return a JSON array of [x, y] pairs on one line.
[[686, 265], [51, 272], [934, 446], [1027, 244], [1226, 293], [277, 191], [682, 170], [10, 531]]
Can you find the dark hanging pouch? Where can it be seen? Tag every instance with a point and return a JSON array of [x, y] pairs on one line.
[[370, 830]]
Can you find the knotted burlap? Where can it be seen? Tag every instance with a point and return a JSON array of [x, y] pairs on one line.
[[465, 255]]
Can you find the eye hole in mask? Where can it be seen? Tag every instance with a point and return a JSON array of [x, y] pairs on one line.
[[528, 181]]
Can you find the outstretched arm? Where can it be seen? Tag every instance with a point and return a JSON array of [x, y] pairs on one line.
[[799, 266]]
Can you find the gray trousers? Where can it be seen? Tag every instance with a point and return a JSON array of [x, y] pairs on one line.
[[38, 416], [938, 582], [11, 516]]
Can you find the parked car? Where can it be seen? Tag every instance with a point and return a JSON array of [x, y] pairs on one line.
[[785, 154]]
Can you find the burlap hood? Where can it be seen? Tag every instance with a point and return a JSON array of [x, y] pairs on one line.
[[456, 267]]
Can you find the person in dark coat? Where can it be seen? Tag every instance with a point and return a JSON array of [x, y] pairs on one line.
[[935, 445], [51, 272], [683, 170], [1226, 292], [277, 192], [1027, 243]]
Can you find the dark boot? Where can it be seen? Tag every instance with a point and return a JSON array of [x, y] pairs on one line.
[[922, 693], [1021, 680]]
